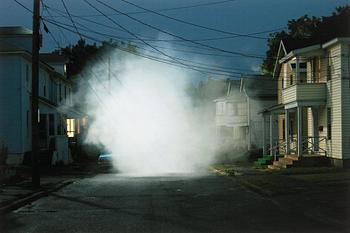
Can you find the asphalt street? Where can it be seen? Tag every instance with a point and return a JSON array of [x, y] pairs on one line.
[[177, 203]]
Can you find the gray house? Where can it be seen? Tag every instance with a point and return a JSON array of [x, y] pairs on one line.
[[55, 89], [239, 122]]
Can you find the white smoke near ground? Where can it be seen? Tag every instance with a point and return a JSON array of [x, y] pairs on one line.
[[140, 112]]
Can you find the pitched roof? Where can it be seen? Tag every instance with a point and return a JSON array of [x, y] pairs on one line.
[[259, 86], [6, 47], [53, 58], [15, 30], [292, 43]]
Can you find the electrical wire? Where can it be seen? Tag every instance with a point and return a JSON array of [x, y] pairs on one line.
[[192, 24], [135, 41], [70, 17], [158, 59], [226, 74], [174, 41], [165, 9], [146, 43], [50, 15], [180, 37]]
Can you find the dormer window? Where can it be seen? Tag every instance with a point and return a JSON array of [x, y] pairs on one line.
[[302, 65]]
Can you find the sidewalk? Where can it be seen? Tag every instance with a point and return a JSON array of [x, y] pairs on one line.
[[285, 181], [322, 194], [19, 193]]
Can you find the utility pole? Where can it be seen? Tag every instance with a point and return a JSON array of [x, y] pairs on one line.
[[35, 94]]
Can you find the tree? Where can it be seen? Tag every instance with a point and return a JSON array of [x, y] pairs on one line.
[[312, 29], [82, 52]]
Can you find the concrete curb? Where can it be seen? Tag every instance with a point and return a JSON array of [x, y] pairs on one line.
[[33, 197], [217, 171], [243, 182]]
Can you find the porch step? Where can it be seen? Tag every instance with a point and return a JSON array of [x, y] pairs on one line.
[[284, 162], [295, 161], [263, 161]]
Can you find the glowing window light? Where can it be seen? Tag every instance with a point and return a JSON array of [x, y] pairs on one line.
[[70, 128]]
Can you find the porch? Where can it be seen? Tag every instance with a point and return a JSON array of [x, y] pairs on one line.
[[300, 131]]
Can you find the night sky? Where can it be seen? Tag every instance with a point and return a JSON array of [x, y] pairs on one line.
[[237, 16]]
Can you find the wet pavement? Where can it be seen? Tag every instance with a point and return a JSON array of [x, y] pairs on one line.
[[178, 203]]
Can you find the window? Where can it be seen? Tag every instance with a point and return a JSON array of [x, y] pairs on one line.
[[59, 125], [220, 108], [329, 66], [27, 72], [69, 96], [65, 92], [302, 65], [229, 109], [27, 121], [314, 69], [60, 91], [51, 124], [242, 109], [70, 128], [77, 126], [329, 123], [284, 129], [44, 87]]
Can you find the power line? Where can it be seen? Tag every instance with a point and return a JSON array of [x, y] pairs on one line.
[[181, 37], [169, 40], [23, 6], [131, 33], [51, 35], [146, 43], [201, 67], [222, 69], [164, 9], [173, 41], [161, 60], [50, 15], [192, 24], [121, 38], [70, 17]]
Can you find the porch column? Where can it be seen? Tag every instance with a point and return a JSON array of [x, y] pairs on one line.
[[271, 134], [315, 128], [300, 131], [263, 136], [287, 128]]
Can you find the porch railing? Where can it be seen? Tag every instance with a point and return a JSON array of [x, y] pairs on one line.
[[311, 146], [315, 145]]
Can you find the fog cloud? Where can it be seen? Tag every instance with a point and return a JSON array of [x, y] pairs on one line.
[[139, 111]]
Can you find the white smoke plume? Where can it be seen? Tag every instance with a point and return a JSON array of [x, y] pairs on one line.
[[140, 112]]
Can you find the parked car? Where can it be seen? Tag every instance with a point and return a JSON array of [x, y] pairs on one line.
[[105, 161]]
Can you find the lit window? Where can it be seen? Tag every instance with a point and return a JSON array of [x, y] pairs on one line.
[[70, 128]]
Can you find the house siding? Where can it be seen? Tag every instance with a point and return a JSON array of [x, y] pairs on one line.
[[256, 121], [334, 101], [10, 102], [26, 105], [345, 64]]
